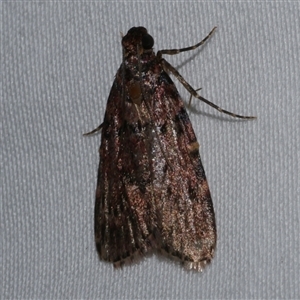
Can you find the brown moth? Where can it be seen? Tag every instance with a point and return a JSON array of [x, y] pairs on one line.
[[152, 192]]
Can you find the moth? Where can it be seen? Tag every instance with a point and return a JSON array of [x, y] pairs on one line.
[[152, 193]]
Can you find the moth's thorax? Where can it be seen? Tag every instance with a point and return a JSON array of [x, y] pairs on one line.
[[140, 63]]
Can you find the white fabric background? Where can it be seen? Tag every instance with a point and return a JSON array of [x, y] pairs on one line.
[[58, 62]]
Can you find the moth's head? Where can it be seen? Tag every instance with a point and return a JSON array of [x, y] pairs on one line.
[[137, 41]]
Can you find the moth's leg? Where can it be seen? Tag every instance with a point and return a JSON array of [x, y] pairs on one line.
[[169, 68], [94, 130], [191, 96], [176, 51]]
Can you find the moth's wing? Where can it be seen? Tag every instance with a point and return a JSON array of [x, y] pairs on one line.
[[152, 190], [123, 225], [185, 216]]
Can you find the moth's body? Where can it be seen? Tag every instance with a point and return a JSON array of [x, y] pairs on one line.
[[152, 191]]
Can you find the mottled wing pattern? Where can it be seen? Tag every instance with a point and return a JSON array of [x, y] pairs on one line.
[[122, 216], [152, 190], [186, 223]]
